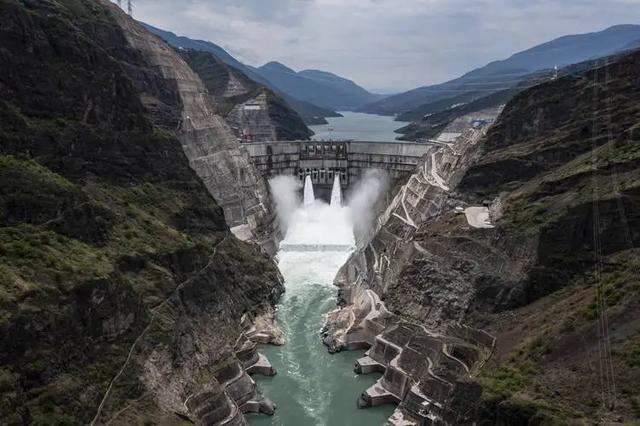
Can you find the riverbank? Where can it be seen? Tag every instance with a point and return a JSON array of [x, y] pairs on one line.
[[313, 387]]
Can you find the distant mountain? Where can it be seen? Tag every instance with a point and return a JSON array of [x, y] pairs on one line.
[[437, 116], [339, 83], [633, 45], [317, 87], [504, 74], [206, 46], [252, 110], [311, 114]]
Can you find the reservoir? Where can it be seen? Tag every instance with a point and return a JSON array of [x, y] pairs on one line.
[[313, 387], [358, 126]]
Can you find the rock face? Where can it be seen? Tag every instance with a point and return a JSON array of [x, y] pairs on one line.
[[432, 123], [254, 113], [414, 338], [550, 277], [209, 144], [125, 297], [311, 114]]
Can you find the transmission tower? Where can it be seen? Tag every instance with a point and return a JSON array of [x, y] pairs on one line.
[[129, 6]]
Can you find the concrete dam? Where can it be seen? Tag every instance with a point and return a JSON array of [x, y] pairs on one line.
[[322, 160]]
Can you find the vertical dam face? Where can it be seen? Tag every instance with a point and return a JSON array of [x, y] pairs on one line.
[[313, 387]]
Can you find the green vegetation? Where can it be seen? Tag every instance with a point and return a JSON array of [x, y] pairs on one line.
[[512, 392], [101, 220], [629, 354], [517, 371], [101, 216], [634, 356], [563, 155]]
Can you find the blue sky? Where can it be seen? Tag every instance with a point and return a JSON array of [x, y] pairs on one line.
[[384, 45]]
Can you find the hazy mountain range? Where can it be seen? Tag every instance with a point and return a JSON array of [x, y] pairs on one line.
[[317, 87], [507, 73], [314, 94]]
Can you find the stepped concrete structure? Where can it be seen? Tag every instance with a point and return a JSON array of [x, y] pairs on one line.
[[322, 160], [427, 358]]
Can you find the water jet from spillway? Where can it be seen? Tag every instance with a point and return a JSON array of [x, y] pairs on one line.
[[309, 197], [313, 387], [336, 192]]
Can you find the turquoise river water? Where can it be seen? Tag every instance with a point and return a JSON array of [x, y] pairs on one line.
[[360, 127], [313, 387]]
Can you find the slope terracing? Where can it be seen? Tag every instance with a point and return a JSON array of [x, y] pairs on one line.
[[425, 360], [125, 297], [544, 260], [254, 112]]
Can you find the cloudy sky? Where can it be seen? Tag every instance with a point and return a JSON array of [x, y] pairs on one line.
[[384, 45]]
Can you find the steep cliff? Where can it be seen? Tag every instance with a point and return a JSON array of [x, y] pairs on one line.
[[125, 298], [311, 114], [531, 238], [208, 142], [254, 113], [414, 337], [564, 159]]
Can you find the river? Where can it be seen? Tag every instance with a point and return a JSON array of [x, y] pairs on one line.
[[358, 126], [313, 387]]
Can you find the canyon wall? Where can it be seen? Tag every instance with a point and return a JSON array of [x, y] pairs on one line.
[[521, 246], [125, 297], [253, 112], [208, 142]]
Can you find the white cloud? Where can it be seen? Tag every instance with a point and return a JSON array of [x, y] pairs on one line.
[[382, 44]]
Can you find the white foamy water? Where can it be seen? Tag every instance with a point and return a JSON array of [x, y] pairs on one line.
[[336, 192], [309, 197], [313, 387], [320, 224]]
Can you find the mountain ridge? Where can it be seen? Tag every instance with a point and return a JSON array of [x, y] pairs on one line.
[[311, 113], [274, 119], [113, 249], [558, 174], [276, 66], [318, 87], [503, 74]]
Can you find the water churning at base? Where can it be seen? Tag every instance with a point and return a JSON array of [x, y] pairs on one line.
[[312, 387]]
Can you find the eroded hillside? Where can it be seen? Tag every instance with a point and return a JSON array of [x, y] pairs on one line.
[[552, 274], [254, 112], [115, 259]]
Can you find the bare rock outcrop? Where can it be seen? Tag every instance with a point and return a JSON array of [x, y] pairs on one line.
[[125, 297], [543, 263], [425, 355], [254, 112], [211, 147]]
